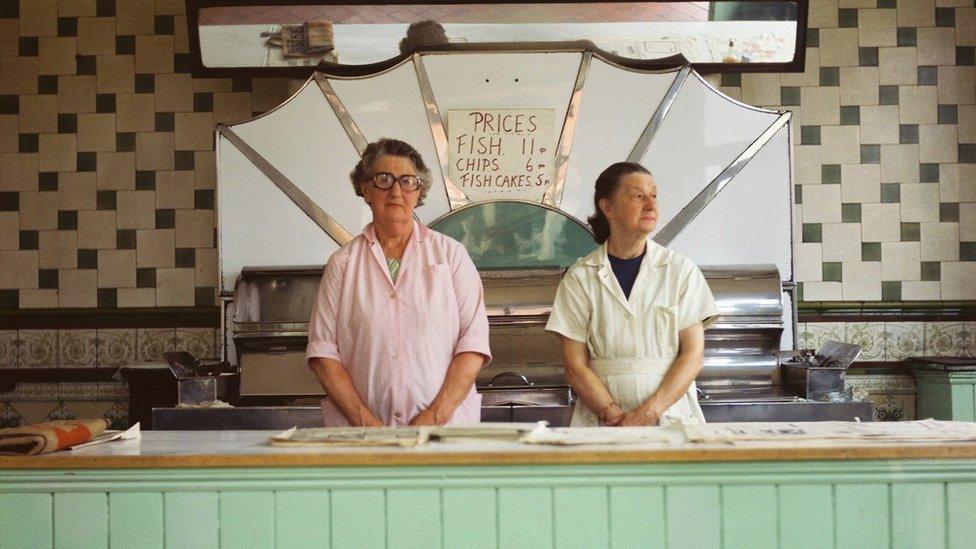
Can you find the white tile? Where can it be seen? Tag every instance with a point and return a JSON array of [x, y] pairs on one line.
[[819, 106], [840, 144], [903, 339], [957, 280], [940, 242], [761, 88], [936, 45], [838, 47], [967, 222], [898, 66], [957, 182], [918, 104], [841, 241], [806, 163], [901, 261], [899, 163], [807, 261], [916, 13], [823, 14], [821, 203], [880, 223], [966, 25], [937, 143], [862, 281], [811, 71], [859, 85], [822, 291], [957, 85], [917, 290], [966, 123], [920, 202], [879, 124], [860, 183], [877, 27]]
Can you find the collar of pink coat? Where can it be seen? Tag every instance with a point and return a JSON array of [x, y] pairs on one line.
[[419, 232]]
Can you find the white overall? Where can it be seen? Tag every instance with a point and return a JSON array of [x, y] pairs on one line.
[[632, 342]]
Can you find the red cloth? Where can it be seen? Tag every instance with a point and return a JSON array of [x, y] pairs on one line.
[[49, 436]]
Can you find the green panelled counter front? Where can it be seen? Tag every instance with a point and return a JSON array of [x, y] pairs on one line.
[[230, 489]]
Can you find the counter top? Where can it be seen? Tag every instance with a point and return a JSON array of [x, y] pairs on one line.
[[200, 449]]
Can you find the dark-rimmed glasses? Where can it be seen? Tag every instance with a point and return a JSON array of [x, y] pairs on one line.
[[385, 180]]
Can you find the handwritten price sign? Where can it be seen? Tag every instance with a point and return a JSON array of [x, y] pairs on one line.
[[501, 153]]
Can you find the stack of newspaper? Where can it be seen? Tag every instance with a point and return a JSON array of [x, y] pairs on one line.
[[401, 436], [928, 430]]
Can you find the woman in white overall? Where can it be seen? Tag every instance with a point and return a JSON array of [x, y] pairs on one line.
[[631, 315]]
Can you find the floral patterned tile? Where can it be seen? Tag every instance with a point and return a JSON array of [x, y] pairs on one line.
[[903, 340], [804, 339], [822, 332], [945, 338], [8, 348], [9, 416], [116, 348], [199, 342], [151, 343], [870, 336], [969, 339], [37, 349], [80, 391], [30, 392], [76, 348]]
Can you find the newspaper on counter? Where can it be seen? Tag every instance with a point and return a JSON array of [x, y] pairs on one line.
[[401, 436], [928, 430], [577, 436]]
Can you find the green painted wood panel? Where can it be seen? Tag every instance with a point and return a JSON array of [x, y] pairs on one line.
[[961, 501], [413, 517], [81, 520], [933, 400], [191, 519], [581, 516], [861, 514], [135, 519], [806, 515], [525, 517], [694, 516], [358, 518], [918, 515], [247, 519], [26, 521], [302, 519], [469, 517], [749, 516], [637, 516], [963, 407]]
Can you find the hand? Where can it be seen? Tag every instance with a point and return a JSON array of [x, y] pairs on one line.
[[425, 417], [636, 418], [367, 419], [612, 414]]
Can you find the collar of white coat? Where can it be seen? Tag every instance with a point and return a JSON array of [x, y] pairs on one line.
[[656, 255], [418, 233]]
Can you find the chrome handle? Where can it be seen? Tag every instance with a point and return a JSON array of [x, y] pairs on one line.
[[525, 380]]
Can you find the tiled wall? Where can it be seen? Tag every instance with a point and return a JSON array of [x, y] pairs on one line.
[[893, 341], [885, 149], [106, 155]]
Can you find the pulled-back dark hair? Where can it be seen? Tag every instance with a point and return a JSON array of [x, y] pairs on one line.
[[606, 186], [389, 147]]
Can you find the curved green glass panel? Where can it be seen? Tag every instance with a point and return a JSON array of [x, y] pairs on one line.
[[511, 235]]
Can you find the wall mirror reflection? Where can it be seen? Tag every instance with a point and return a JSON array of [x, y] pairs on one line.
[[282, 38]]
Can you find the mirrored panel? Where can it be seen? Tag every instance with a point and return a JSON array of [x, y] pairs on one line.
[[300, 35], [506, 235]]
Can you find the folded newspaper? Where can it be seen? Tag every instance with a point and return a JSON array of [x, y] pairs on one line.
[[928, 430], [400, 436]]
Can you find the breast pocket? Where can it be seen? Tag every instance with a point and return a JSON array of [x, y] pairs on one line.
[[663, 332]]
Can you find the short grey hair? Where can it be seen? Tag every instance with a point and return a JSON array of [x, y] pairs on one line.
[[389, 147]]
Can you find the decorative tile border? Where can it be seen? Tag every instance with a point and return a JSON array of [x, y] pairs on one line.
[[893, 341]]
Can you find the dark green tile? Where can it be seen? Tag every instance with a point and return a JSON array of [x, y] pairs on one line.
[[812, 232], [830, 76], [731, 79], [27, 46], [847, 18], [890, 193], [809, 135], [967, 153], [830, 174], [833, 272], [890, 290], [789, 96], [798, 194], [867, 57], [928, 173], [966, 56], [928, 76], [850, 115], [908, 133], [850, 212], [948, 114], [108, 298], [870, 154], [887, 4], [931, 271], [888, 95], [948, 211], [911, 232], [967, 251], [945, 17], [813, 38], [799, 291], [870, 251], [907, 37]]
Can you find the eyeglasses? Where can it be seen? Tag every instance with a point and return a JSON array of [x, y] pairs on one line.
[[384, 181]]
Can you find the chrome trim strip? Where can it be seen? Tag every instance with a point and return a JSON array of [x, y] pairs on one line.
[[302, 200], [654, 124], [355, 134], [697, 204], [554, 194], [455, 196]]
